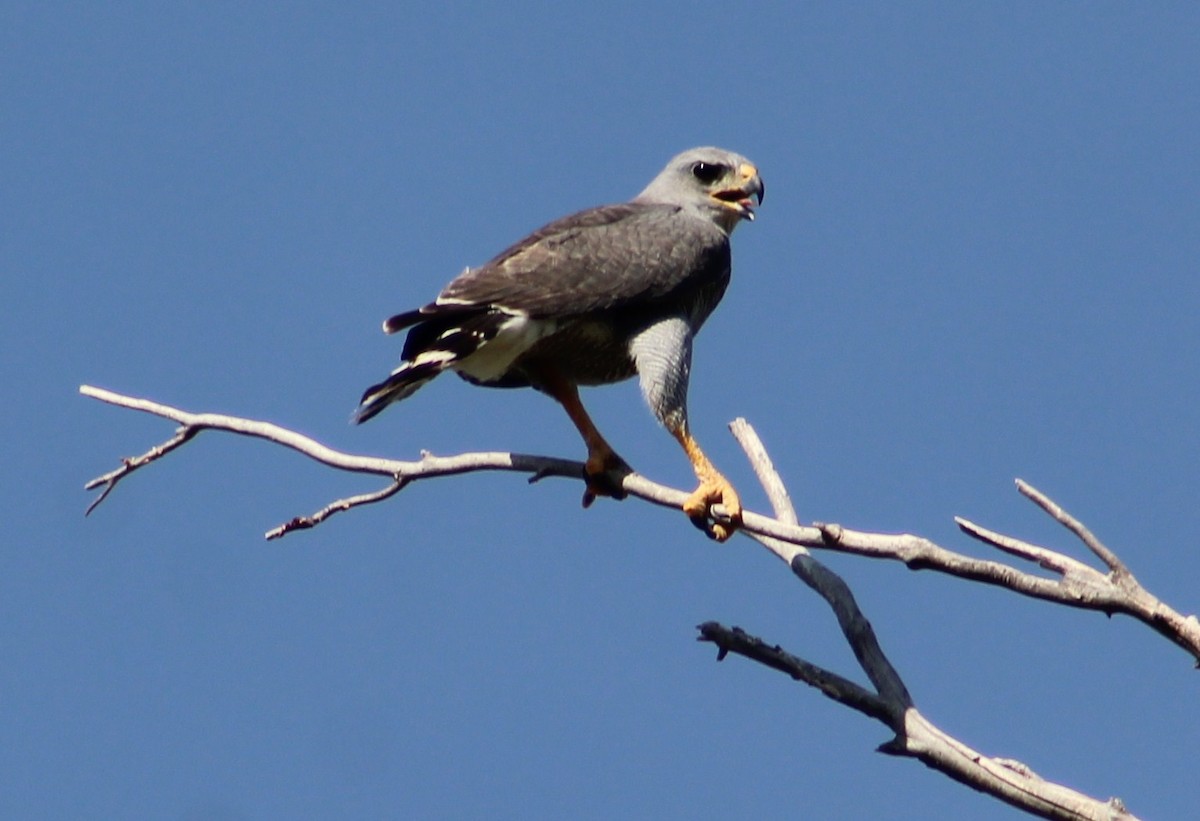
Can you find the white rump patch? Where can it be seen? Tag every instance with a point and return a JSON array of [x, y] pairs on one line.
[[514, 337], [432, 356]]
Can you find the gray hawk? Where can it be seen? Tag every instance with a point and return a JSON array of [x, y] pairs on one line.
[[595, 298]]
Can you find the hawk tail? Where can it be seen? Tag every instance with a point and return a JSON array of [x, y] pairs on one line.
[[403, 383], [433, 345]]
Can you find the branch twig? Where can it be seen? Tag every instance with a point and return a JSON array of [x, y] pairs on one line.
[[1075, 526], [305, 522], [110, 479]]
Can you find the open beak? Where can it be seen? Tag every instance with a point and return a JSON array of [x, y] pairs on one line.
[[738, 198]]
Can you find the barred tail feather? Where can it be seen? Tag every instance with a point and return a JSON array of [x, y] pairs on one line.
[[434, 344], [404, 382]]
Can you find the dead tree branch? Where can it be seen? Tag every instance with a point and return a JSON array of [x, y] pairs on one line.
[[917, 737], [1074, 583], [890, 702], [1078, 585]]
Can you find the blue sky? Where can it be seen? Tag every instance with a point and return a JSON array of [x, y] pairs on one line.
[[976, 261]]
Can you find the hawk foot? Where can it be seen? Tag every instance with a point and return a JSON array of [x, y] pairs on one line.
[[603, 472], [698, 507]]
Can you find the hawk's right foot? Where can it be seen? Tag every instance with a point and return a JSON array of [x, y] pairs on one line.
[[603, 472]]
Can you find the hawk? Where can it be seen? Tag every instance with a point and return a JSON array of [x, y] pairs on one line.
[[595, 298]]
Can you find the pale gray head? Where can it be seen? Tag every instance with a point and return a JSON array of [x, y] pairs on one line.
[[710, 182]]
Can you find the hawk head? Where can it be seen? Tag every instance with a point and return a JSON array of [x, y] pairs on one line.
[[711, 182]]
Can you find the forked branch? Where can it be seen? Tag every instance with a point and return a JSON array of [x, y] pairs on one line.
[[889, 703], [1073, 583], [1077, 584]]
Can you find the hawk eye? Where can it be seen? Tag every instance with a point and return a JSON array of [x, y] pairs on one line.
[[707, 172]]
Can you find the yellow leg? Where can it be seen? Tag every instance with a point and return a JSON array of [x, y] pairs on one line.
[[602, 460], [714, 489]]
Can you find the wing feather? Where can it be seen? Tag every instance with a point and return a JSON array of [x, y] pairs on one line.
[[600, 259]]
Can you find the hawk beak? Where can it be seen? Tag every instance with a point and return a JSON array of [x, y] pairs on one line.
[[738, 197]]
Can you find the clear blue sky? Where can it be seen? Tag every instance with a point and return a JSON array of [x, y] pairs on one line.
[[977, 260]]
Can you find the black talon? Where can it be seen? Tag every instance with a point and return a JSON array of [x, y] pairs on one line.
[[607, 483]]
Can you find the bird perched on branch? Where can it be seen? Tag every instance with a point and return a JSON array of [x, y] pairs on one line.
[[595, 298]]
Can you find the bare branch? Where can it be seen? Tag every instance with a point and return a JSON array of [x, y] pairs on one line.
[[1016, 547], [1078, 585], [764, 469], [1009, 780], [891, 704], [841, 690], [1075, 588], [917, 737], [827, 584], [1074, 525], [305, 522], [110, 479]]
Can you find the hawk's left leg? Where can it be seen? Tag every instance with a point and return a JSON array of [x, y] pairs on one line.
[[714, 489], [663, 356]]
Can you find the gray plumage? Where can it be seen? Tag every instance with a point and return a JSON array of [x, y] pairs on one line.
[[591, 298]]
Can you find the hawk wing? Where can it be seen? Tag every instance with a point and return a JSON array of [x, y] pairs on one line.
[[605, 258]]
